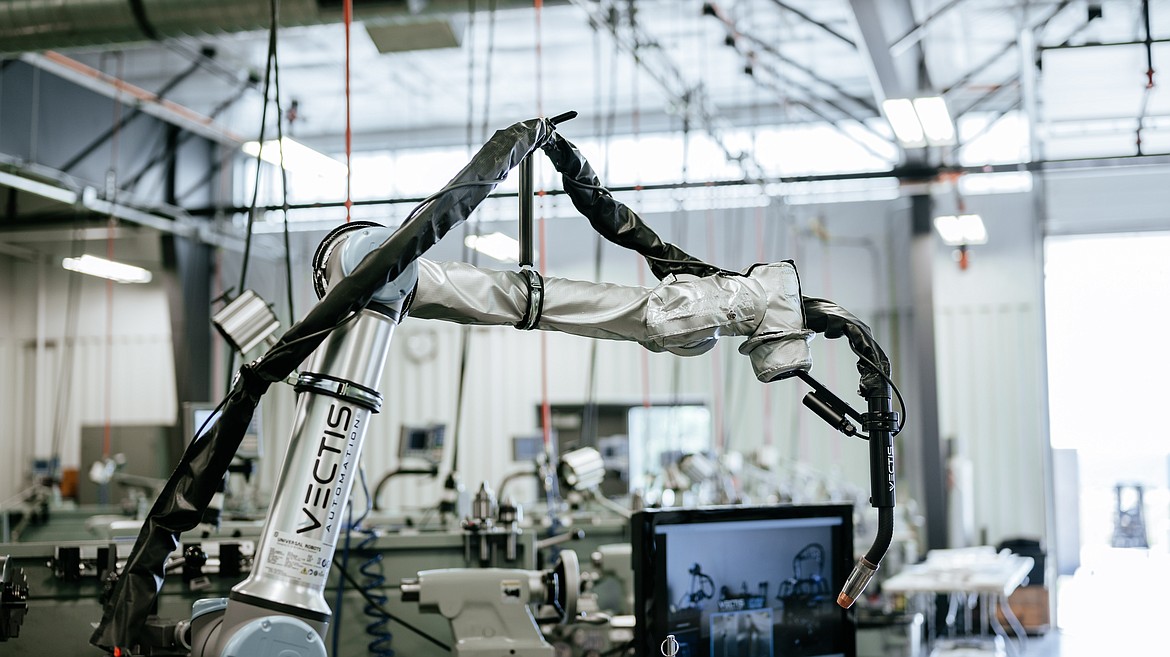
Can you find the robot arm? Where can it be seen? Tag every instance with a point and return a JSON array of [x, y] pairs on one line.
[[694, 305], [682, 315]]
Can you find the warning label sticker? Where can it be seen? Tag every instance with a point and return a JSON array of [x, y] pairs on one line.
[[296, 559]]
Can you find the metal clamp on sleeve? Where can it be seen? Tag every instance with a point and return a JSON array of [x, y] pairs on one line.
[[535, 307]]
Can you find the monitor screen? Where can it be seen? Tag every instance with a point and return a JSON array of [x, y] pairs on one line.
[[743, 581], [199, 416]]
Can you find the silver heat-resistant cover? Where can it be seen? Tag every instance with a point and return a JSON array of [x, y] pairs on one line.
[[684, 316]]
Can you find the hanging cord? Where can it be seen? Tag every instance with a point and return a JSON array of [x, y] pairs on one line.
[[259, 155], [716, 353], [605, 130], [112, 193], [545, 410], [766, 391], [292, 315], [487, 70], [67, 350], [471, 11], [636, 125], [469, 254], [231, 354], [347, 18]]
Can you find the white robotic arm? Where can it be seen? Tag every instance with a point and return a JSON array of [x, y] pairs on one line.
[[683, 315]]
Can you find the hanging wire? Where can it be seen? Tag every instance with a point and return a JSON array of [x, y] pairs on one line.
[[487, 70], [469, 255], [603, 126], [259, 155], [67, 349], [112, 192], [292, 315], [347, 18], [545, 409]]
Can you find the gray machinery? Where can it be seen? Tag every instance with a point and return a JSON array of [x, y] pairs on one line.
[[489, 608], [368, 278]]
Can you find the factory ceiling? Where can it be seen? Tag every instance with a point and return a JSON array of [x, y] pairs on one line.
[[427, 73]]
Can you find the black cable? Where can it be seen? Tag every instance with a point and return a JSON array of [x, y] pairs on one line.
[[353, 581], [513, 476], [287, 345], [421, 472], [713, 268], [292, 315], [898, 393], [259, 161], [487, 69]]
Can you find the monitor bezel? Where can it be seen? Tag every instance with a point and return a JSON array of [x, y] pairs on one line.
[[642, 530]]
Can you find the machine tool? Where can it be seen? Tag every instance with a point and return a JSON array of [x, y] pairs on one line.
[[368, 279], [13, 599], [490, 609]]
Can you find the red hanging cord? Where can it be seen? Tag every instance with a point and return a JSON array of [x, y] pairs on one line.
[[347, 17], [545, 409]]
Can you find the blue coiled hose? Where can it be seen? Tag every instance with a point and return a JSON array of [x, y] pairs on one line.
[[373, 580]]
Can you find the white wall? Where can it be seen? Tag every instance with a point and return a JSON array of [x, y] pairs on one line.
[[854, 253], [989, 327], [131, 361]]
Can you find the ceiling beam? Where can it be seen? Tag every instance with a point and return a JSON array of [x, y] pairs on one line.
[[880, 23]]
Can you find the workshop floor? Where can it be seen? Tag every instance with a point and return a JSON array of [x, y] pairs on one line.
[[1114, 605]]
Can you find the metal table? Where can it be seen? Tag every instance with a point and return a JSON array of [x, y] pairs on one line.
[[968, 574]]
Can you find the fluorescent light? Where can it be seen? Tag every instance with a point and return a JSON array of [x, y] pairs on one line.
[[965, 229], [495, 245], [115, 271], [903, 119], [297, 157], [920, 122], [936, 120]]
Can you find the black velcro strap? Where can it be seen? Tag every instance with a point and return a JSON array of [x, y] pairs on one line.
[[532, 313]]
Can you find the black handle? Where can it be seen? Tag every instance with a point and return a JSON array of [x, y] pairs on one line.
[[526, 213]]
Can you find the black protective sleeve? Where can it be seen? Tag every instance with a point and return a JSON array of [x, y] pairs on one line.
[[824, 316], [613, 219], [191, 486]]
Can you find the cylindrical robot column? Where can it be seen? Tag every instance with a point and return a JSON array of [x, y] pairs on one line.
[[337, 397]]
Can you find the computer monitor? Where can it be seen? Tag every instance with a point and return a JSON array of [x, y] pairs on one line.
[[198, 418], [424, 443], [743, 581]]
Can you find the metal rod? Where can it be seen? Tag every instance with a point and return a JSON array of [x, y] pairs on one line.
[[824, 26], [1107, 44], [909, 39], [185, 136], [901, 172], [526, 211], [817, 112], [763, 45], [1005, 50], [126, 120]]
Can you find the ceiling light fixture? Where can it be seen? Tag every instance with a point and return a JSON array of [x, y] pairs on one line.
[[936, 120], [920, 122], [102, 268], [961, 230], [495, 245], [298, 158]]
